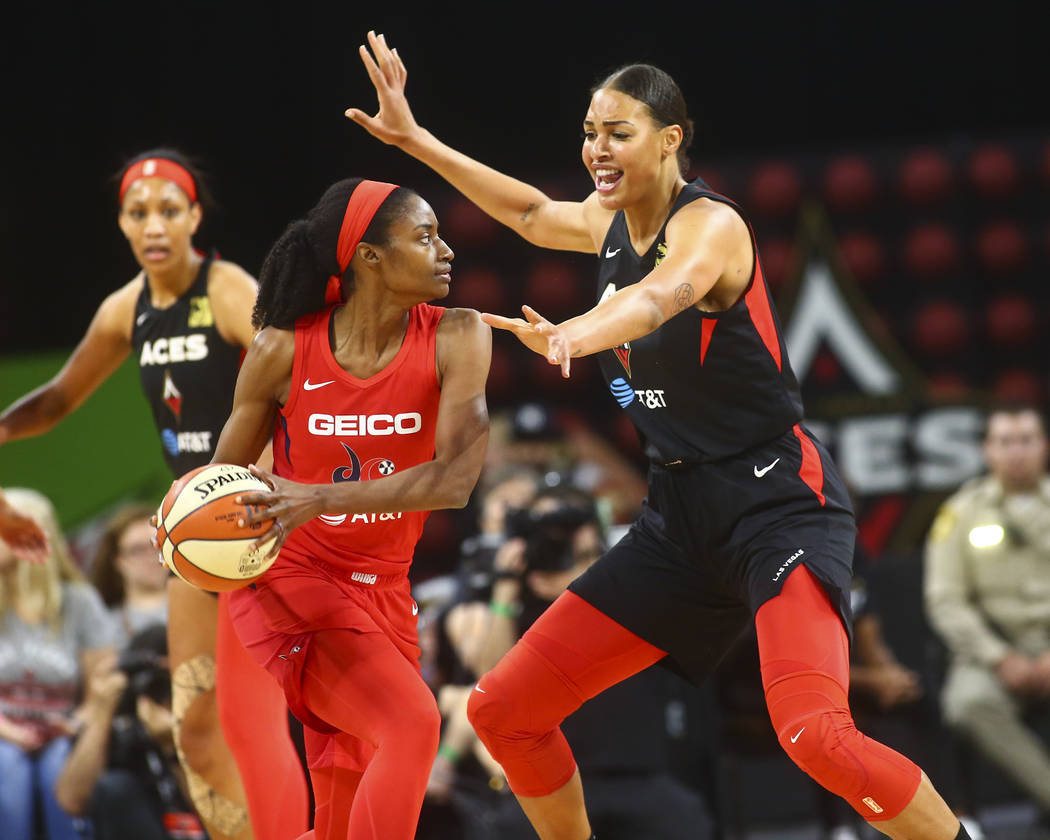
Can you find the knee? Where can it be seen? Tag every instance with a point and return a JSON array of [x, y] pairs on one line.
[[416, 723], [811, 716], [488, 710], [198, 734]]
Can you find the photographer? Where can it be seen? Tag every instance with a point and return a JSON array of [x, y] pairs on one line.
[[122, 771], [620, 739]]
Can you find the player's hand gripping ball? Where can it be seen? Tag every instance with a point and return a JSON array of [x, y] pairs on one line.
[[197, 531]]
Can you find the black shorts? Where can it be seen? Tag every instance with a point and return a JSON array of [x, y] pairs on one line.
[[715, 541]]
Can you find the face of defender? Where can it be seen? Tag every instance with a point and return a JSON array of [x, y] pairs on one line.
[[416, 260], [158, 221], [624, 149]]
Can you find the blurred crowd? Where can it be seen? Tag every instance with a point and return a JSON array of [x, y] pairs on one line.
[[951, 660]]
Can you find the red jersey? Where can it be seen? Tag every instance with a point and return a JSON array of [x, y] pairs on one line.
[[336, 427]]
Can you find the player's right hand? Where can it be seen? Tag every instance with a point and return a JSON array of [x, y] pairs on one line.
[[394, 123]]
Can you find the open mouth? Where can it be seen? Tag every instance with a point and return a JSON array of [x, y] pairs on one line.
[[606, 180], [155, 254]]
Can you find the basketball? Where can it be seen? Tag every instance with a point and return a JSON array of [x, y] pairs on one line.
[[197, 528]]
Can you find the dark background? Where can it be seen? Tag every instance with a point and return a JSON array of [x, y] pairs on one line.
[[257, 93]]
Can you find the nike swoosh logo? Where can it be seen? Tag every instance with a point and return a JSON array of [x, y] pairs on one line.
[[415, 608], [141, 319], [761, 472], [803, 729], [310, 386], [479, 688], [609, 253]]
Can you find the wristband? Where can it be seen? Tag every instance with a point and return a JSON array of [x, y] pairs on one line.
[[451, 753], [503, 609]]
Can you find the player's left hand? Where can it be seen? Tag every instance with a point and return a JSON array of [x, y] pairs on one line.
[[538, 334], [23, 535], [289, 504]]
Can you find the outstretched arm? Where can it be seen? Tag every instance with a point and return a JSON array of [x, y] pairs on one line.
[[561, 225], [464, 349], [101, 351], [701, 238]]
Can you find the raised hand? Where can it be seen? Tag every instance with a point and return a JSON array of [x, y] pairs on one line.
[[394, 123], [538, 334]]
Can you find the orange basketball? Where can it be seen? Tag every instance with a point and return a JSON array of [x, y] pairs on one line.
[[197, 528]]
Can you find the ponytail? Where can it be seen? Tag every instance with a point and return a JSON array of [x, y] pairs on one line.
[[295, 273], [291, 282]]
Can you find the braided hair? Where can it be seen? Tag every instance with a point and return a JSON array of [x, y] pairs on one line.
[[295, 273]]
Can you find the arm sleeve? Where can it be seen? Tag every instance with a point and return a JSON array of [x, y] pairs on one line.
[[948, 592]]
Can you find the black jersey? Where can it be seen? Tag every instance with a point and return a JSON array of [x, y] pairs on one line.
[[188, 372], [705, 385]]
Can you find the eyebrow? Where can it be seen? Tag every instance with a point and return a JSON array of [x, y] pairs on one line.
[[610, 122]]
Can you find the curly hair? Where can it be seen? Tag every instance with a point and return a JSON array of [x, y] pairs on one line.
[[295, 273]]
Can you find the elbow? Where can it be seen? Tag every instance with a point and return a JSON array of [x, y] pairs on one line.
[[459, 498], [72, 804]]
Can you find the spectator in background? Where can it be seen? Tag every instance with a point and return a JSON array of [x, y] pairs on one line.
[[53, 631], [133, 585], [620, 738], [562, 446], [987, 592], [123, 771]]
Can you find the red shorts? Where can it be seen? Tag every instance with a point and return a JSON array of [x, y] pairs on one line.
[[276, 618]]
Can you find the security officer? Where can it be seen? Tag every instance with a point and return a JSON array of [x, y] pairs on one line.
[[987, 593]]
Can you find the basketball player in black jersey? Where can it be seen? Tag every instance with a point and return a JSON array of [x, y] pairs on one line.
[[187, 319], [746, 516]]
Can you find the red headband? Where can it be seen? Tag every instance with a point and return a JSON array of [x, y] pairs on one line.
[[364, 201], [160, 168]]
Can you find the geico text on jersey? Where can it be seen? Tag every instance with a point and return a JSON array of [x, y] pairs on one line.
[[359, 425]]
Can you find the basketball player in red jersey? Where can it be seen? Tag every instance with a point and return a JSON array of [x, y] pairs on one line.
[[187, 318], [746, 517], [375, 401]]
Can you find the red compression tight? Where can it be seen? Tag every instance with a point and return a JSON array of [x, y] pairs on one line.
[[574, 651], [363, 685], [254, 719], [805, 673]]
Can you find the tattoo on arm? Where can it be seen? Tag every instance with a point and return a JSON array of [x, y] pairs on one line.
[[528, 210], [576, 353], [683, 298]]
